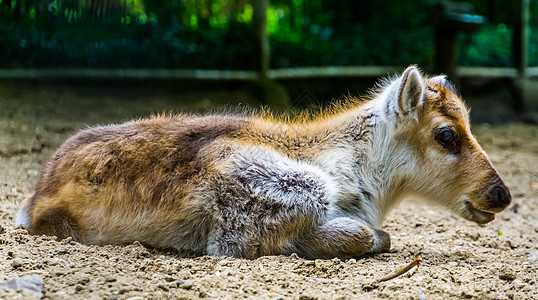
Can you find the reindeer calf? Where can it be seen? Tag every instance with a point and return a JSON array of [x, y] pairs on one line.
[[247, 185]]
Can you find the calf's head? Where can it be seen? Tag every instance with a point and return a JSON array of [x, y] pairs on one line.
[[445, 164]]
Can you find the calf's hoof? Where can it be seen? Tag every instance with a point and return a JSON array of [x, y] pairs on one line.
[[381, 241]]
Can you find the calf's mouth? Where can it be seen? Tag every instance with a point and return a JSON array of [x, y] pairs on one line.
[[477, 215]]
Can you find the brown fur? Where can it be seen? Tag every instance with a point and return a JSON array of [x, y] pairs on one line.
[[252, 185], [99, 161]]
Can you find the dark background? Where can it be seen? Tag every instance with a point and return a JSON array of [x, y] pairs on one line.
[[217, 34], [222, 35]]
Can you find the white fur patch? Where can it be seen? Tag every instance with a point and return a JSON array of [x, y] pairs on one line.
[[267, 170], [22, 217]]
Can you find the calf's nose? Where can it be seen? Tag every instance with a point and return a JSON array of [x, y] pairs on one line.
[[500, 196]]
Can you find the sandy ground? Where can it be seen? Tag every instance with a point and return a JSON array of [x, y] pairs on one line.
[[460, 259]]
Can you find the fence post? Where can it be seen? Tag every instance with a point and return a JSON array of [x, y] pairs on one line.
[[259, 18], [519, 50], [519, 41], [270, 91], [451, 18]]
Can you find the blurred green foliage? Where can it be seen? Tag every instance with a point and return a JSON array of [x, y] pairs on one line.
[[218, 34]]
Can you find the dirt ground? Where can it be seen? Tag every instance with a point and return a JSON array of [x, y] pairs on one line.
[[460, 259]]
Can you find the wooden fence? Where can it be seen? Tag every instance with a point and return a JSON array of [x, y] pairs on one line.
[[520, 69]]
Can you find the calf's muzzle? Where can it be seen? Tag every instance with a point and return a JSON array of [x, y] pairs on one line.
[[499, 197]]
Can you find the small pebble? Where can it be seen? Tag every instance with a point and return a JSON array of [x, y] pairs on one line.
[[309, 263], [533, 257], [17, 263], [187, 285], [83, 280], [33, 172], [506, 275], [518, 283], [31, 285]]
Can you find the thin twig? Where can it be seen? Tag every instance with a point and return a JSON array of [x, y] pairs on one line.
[[414, 263]]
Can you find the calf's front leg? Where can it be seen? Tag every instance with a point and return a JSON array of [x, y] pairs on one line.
[[341, 237]]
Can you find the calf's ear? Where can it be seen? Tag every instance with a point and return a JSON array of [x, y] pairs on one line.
[[444, 82], [407, 93]]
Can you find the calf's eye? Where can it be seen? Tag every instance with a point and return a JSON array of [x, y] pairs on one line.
[[447, 138]]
